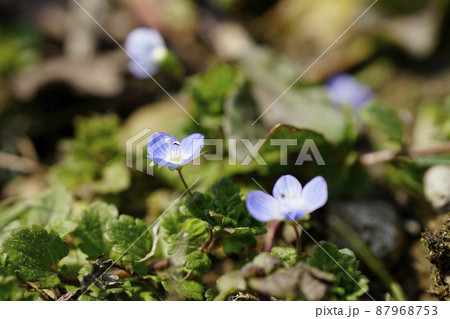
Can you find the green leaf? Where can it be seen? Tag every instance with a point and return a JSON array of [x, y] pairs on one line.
[[386, 128], [236, 245], [190, 235], [64, 227], [198, 260], [190, 289], [49, 282], [349, 283], [225, 211], [287, 255], [91, 159], [211, 293], [307, 107], [54, 204], [266, 262], [116, 177], [229, 283], [92, 227], [130, 237], [35, 252], [298, 282], [209, 93]]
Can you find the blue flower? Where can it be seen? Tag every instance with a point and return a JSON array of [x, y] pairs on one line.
[[345, 89], [289, 201], [166, 150], [146, 49]]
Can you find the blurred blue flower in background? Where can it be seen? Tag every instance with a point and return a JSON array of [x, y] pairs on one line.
[[345, 89], [146, 48], [289, 201], [165, 150]]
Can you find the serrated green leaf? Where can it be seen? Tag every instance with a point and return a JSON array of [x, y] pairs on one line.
[[54, 204], [236, 245], [287, 255], [198, 260], [35, 252], [92, 228], [349, 283], [227, 215], [190, 289], [49, 282], [64, 227], [130, 237]]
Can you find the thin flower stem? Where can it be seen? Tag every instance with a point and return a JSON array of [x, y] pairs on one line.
[[299, 239], [184, 183]]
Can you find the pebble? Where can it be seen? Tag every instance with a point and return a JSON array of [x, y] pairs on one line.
[[437, 187], [375, 221]]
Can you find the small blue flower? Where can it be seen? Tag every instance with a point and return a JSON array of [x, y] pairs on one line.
[[146, 48], [345, 89], [166, 150], [289, 201]]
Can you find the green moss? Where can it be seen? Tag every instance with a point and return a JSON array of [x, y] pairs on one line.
[[438, 245]]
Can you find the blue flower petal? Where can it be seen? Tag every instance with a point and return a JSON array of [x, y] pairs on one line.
[[263, 207], [161, 147], [142, 70], [191, 147], [140, 44], [314, 195], [287, 191], [345, 89]]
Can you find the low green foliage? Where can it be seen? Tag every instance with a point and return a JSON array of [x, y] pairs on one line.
[[130, 237], [93, 160], [349, 283], [227, 216], [92, 228], [35, 252]]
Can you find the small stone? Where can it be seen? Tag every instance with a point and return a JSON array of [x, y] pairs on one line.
[[376, 223], [437, 187]]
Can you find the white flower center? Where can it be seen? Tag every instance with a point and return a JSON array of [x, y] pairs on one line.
[[174, 154]]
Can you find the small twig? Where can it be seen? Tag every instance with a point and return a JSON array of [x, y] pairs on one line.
[[20, 164], [385, 156], [271, 233], [25, 147], [208, 242], [41, 292], [184, 183], [213, 244], [160, 265]]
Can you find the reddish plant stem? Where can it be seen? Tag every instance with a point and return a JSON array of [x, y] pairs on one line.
[[184, 183], [271, 233]]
